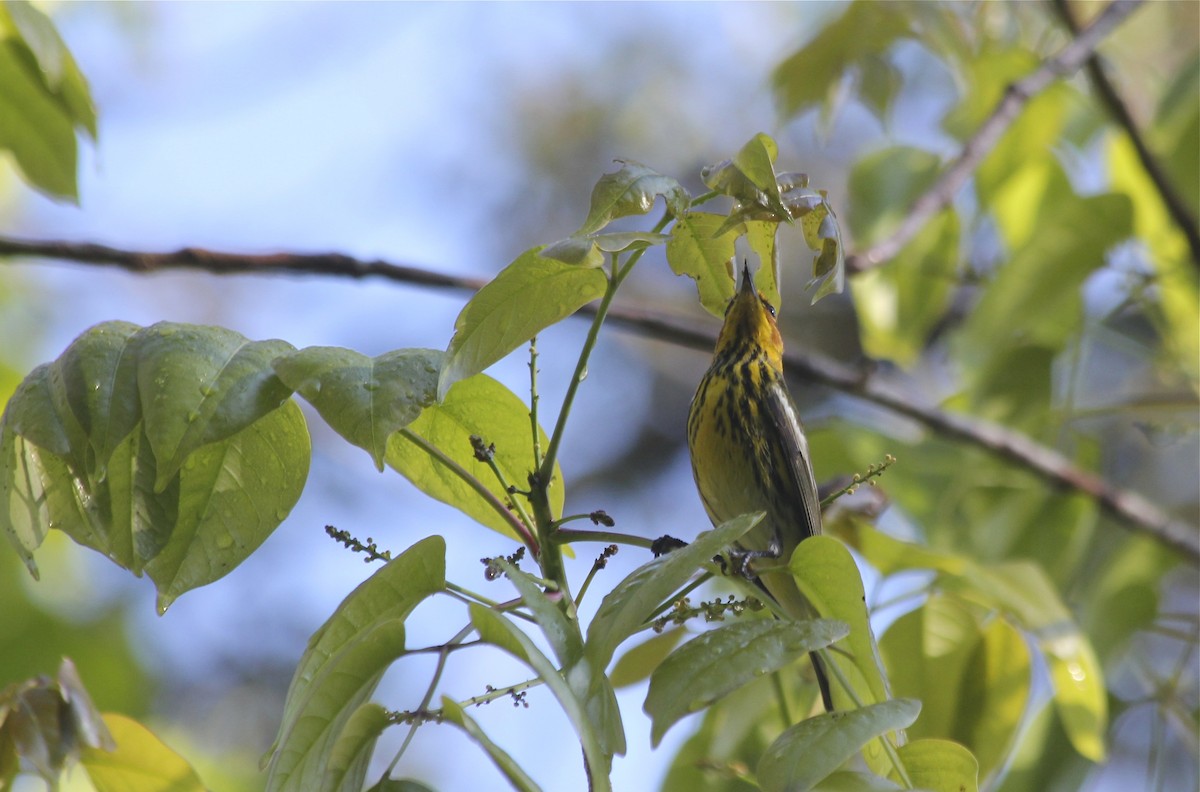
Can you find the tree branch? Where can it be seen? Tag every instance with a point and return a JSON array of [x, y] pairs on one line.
[[1118, 108], [1129, 508], [942, 192]]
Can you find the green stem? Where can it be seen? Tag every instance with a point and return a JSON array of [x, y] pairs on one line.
[[497, 505], [496, 693], [533, 404], [485, 455], [888, 747], [567, 536], [443, 656]]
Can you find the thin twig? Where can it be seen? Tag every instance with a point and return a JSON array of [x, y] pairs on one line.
[[942, 193], [1131, 509], [1118, 108]]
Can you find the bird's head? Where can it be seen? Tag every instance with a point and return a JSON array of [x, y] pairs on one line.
[[750, 324]]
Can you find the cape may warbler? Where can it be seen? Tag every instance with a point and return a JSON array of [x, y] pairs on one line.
[[748, 448]]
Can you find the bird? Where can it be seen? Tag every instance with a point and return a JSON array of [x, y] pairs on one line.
[[749, 452]]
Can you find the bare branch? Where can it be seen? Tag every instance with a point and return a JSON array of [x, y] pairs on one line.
[[1129, 508], [1118, 108], [941, 194]]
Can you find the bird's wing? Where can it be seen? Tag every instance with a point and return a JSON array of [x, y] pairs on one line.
[[797, 467]]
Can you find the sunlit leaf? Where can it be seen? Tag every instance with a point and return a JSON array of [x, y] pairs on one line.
[[696, 250], [140, 763], [901, 303], [1176, 278], [631, 190], [345, 659], [827, 575], [749, 178], [973, 681], [720, 661], [762, 237], [529, 295], [364, 399], [940, 766], [482, 407], [850, 781], [812, 749]]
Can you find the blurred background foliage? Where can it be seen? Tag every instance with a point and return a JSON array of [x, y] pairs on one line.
[[1056, 295]]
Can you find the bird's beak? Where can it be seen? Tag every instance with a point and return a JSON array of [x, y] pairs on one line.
[[747, 281]]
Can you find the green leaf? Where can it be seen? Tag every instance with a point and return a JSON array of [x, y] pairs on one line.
[[98, 373], [762, 237], [529, 295], [882, 188], [828, 577], [578, 251], [351, 753], [345, 659], [749, 178], [46, 723], [850, 781], [504, 763], [620, 241], [940, 766], [641, 660], [232, 496], [140, 763], [1035, 298], [24, 512], [973, 682], [720, 661], [823, 235], [812, 749], [483, 407], [631, 602], [38, 411], [34, 125], [1079, 694], [59, 71], [696, 249], [365, 400], [199, 385], [562, 633], [901, 303], [1176, 281], [631, 190], [495, 629], [865, 31]]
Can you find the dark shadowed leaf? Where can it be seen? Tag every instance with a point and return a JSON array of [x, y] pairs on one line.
[[720, 661], [812, 749]]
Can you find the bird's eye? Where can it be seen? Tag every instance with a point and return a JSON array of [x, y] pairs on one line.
[[770, 308]]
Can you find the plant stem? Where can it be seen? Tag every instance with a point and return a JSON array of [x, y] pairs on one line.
[[533, 404], [519, 528], [567, 536], [458, 638]]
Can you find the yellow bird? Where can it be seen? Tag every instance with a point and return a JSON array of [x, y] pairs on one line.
[[749, 452]]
